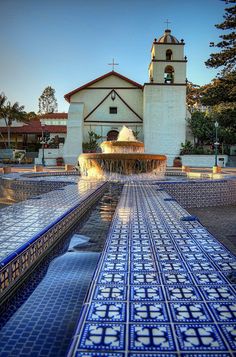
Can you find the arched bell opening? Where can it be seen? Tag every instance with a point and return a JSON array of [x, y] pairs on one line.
[[169, 75], [112, 135], [169, 55]]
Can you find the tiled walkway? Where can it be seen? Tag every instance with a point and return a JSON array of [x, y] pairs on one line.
[[23, 221], [162, 288]]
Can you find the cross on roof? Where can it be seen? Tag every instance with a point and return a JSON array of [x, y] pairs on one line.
[[167, 22], [113, 64]]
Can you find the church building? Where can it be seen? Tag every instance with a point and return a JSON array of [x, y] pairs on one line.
[[155, 111]]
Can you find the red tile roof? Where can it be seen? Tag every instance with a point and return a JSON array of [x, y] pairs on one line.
[[54, 116], [112, 73], [35, 127]]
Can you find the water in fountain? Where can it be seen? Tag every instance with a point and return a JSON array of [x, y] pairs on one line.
[[122, 159]]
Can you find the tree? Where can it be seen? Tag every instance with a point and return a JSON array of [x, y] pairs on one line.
[[201, 125], [226, 56], [47, 101], [10, 112], [193, 95], [220, 90]]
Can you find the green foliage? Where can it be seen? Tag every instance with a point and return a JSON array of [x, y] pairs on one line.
[[47, 101], [11, 112], [201, 126], [221, 90], [189, 149], [226, 117], [92, 145], [186, 148], [193, 95], [136, 134], [226, 56]]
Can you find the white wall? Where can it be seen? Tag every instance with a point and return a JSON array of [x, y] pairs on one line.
[[74, 138], [92, 97], [164, 119], [203, 160], [50, 156]]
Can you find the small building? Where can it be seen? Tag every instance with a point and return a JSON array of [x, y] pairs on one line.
[[27, 136]]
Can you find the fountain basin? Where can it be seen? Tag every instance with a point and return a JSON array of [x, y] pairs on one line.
[[103, 164], [122, 147]]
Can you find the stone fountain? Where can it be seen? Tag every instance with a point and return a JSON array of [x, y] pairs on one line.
[[124, 156]]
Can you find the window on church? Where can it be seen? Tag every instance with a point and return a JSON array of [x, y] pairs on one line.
[[169, 75], [113, 110], [168, 55]]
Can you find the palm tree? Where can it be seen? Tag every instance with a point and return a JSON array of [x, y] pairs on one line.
[[10, 113]]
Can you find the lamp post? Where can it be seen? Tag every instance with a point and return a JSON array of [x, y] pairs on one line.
[[43, 143], [216, 141]]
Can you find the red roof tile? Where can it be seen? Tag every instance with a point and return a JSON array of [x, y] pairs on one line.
[[54, 116], [112, 73], [35, 127]]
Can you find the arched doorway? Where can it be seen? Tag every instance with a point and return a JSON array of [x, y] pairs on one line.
[[112, 135]]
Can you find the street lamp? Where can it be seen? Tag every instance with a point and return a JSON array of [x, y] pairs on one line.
[[216, 144], [43, 143]]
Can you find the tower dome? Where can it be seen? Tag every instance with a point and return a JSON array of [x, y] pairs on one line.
[[168, 38]]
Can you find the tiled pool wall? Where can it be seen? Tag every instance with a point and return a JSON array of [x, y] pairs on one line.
[[190, 194], [16, 266], [202, 193], [18, 187]]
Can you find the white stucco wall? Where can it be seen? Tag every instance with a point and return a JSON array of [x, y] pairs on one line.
[[74, 138], [164, 119], [204, 160], [50, 156], [92, 97], [159, 51]]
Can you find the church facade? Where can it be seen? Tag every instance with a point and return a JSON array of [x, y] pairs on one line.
[[155, 111]]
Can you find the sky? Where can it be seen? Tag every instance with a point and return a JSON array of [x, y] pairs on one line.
[[67, 43]]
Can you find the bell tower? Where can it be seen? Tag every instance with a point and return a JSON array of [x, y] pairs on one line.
[[165, 97]]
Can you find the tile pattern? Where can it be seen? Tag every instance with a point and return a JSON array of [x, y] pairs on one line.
[[202, 193], [159, 289], [29, 228], [43, 325]]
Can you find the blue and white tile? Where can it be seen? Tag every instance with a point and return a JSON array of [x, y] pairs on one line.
[[148, 312], [103, 337], [146, 293], [151, 338], [183, 293], [190, 312], [107, 311], [199, 337], [224, 311]]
